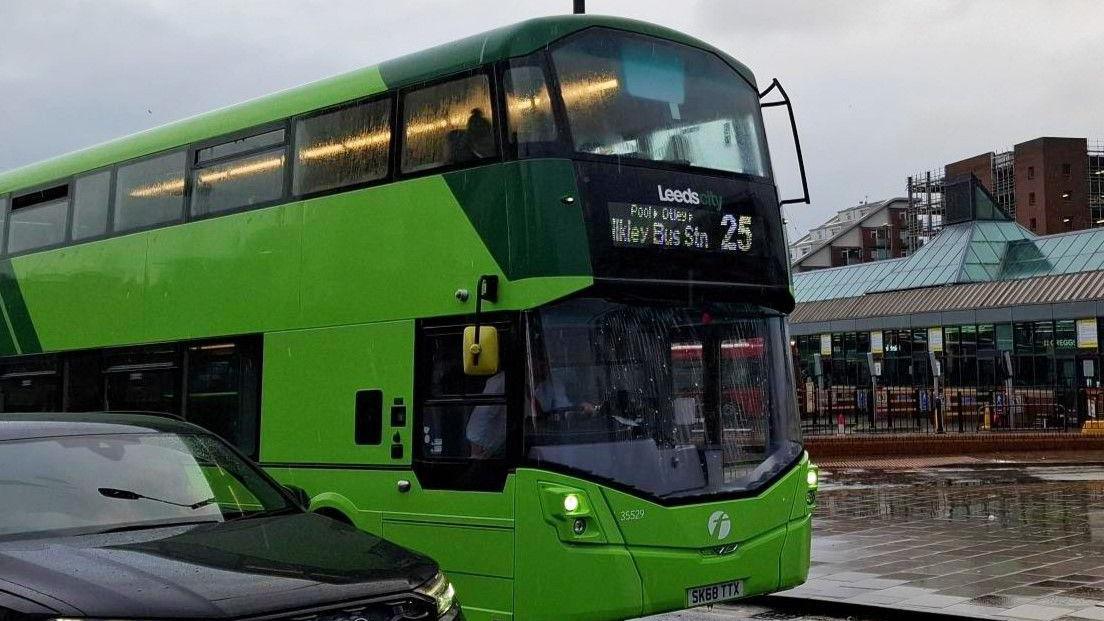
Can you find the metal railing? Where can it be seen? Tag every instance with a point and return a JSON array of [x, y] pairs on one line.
[[841, 410]]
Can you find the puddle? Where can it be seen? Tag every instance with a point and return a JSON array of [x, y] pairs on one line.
[[866, 479]]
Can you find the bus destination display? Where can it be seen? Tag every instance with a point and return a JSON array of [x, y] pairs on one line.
[[635, 225]]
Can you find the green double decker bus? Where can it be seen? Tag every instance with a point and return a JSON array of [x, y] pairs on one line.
[[517, 302]]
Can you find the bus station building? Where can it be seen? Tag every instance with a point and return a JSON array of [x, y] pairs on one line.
[[989, 323]]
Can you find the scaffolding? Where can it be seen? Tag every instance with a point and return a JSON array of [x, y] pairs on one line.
[[1004, 181], [928, 197], [928, 193], [1096, 182], [925, 207]]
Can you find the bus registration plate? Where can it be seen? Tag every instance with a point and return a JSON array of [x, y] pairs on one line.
[[710, 593]]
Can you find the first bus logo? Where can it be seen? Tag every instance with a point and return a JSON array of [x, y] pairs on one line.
[[719, 524]]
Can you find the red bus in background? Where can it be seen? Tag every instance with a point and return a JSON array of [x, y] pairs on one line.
[[743, 377]]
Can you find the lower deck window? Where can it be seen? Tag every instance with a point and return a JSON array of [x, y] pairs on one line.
[[213, 384], [143, 380], [30, 385], [223, 384]]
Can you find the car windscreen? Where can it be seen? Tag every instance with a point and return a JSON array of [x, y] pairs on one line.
[[643, 98], [95, 483]]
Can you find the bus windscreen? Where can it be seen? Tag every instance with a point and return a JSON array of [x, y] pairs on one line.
[[669, 400], [641, 98]]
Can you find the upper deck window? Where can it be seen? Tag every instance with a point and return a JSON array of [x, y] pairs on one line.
[[90, 205], [648, 99], [248, 171], [448, 124], [528, 108], [341, 148], [241, 146], [150, 192], [38, 219]]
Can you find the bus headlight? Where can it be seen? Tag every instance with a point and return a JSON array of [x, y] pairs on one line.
[[571, 503], [441, 591]]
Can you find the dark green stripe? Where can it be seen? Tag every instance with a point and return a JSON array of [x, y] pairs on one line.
[[18, 314], [516, 209], [7, 345]]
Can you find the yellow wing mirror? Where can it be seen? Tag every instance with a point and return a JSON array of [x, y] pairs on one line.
[[480, 341], [480, 355]]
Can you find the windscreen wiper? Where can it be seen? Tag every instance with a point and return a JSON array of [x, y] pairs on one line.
[[150, 525], [125, 494], [268, 513]]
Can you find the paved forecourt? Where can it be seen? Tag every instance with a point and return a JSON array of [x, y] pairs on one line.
[[1009, 542]]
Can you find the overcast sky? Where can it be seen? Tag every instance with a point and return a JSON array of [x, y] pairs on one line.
[[881, 89]]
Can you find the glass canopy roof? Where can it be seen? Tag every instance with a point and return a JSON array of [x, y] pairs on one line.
[[975, 251]]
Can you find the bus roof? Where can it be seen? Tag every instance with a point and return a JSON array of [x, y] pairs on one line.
[[506, 42]]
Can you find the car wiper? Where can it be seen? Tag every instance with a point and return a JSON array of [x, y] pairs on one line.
[[125, 494], [151, 525], [268, 513]]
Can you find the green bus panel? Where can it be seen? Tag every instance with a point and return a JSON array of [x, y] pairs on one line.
[[311, 378], [517, 559], [385, 253], [470, 534]]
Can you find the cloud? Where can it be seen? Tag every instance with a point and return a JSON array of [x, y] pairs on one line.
[[881, 89]]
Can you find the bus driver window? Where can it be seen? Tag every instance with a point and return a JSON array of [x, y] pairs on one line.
[[463, 416]]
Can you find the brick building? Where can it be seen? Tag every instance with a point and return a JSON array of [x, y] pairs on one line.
[[859, 234], [1047, 185]]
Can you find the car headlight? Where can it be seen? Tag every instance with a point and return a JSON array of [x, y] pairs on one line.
[[441, 591]]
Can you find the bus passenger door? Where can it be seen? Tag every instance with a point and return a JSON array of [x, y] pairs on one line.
[[458, 506]]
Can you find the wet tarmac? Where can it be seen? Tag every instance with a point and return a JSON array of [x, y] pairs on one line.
[[999, 541], [762, 610]]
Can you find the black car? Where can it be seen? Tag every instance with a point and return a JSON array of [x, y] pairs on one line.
[[125, 516]]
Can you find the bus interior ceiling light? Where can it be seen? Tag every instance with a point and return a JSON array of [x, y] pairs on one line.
[[243, 170], [171, 187], [353, 143], [175, 187], [594, 88]]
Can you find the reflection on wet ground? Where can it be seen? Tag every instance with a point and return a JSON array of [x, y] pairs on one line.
[[763, 610], [1022, 542]]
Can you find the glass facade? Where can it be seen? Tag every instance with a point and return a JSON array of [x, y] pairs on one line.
[[1023, 375]]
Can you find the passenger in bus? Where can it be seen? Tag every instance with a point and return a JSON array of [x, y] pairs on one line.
[[480, 134], [457, 148], [486, 430]]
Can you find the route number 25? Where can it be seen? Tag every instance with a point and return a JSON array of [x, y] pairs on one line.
[[738, 228]]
